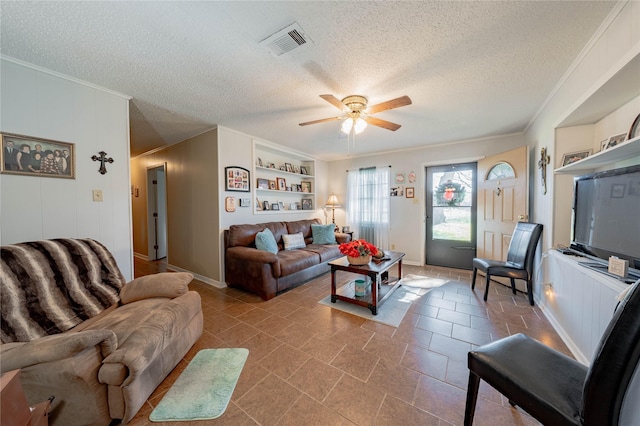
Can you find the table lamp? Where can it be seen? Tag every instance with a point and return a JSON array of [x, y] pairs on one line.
[[332, 203]]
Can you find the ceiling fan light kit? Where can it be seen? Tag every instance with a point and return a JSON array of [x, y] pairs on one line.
[[358, 115]]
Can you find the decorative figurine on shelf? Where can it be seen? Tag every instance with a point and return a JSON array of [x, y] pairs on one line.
[[542, 165]]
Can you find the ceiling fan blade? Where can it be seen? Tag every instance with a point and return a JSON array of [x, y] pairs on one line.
[[393, 103], [335, 102], [382, 123], [324, 120]]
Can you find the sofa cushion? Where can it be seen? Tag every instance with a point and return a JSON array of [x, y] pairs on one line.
[[293, 241], [326, 252], [323, 234], [245, 235], [292, 261], [266, 241], [303, 226], [158, 322], [163, 284]]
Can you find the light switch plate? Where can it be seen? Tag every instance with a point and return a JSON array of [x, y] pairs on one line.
[[97, 195]]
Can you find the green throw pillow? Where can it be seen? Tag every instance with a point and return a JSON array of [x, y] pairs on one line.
[[266, 241], [323, 234]]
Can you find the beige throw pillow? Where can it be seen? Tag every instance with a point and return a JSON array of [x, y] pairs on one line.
[[293, 241]]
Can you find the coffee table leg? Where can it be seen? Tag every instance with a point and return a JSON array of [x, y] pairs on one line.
[[333, 286]]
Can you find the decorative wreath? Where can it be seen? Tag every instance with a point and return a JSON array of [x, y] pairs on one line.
[[450, 194]]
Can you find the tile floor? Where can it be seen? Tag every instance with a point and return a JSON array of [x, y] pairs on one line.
[[313, 365]]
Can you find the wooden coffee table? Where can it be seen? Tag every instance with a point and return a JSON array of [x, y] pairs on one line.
[[381, 284]]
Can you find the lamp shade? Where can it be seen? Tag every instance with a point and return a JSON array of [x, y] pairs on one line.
[[347, 124], [333, 201], [360, 125]]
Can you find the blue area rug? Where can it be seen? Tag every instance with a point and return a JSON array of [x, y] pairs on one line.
[[204, 388]]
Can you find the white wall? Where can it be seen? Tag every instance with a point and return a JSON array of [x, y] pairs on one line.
[[614, 45], [42, 104], [236, 149], [407, 214]]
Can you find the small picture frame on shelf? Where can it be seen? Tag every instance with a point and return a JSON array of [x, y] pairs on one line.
[[616, 140], [272, 184], [306, 186], [634, 131], [263, 183], [603, 144], [293, 206], [307, 204], [275, 206], [572, 157], [281, 205], [288, 167], [303, 170], [265, 205], [282, 184]]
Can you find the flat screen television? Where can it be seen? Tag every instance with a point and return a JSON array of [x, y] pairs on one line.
[[606, 215]]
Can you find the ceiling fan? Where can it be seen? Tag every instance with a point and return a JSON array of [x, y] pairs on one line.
[[358, 114]]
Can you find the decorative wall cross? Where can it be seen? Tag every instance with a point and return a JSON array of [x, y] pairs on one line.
[[102, 159], [542, 165]]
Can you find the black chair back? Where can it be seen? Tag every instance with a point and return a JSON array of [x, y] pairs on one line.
[[523, 244], [612, 370]]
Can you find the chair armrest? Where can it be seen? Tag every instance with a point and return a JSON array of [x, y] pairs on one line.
[[56, 347], [163, 284]]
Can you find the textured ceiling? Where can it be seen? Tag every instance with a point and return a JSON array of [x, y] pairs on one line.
[[472, 69]]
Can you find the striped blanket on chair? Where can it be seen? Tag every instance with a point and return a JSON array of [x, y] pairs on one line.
[[50, 286]]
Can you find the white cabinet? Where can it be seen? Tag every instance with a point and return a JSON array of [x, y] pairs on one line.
[[284, 180], [580, 302]]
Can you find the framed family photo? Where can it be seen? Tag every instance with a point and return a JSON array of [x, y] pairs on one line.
[[24, 155], [236, 179], [572, 157]]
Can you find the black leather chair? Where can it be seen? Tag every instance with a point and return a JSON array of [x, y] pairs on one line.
[[519, 264], [557, 390]]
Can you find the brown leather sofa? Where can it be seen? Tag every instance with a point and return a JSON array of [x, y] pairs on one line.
[[267, 274]]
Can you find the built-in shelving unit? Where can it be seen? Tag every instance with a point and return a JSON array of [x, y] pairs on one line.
[[620, 152], [283, 179]]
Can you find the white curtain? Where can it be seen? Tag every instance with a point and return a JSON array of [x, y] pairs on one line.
[[368, 204]]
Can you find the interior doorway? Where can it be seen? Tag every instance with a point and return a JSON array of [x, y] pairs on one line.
[[157, 212], [451, 215]]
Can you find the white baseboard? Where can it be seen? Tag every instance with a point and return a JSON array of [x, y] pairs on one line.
[[580, 357], [206, 280], [140, 256]]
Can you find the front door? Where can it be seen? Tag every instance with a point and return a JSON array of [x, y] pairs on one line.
[[502, 200], [451, 215]]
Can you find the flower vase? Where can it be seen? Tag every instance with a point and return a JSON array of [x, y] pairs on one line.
[[359, 260]]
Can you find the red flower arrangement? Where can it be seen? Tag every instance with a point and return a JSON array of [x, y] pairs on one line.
[[358, 248]]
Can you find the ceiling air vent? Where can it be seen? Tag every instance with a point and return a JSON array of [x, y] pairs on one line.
[[286, 40]]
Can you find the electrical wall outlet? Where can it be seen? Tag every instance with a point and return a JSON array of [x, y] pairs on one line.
[[97, 195]]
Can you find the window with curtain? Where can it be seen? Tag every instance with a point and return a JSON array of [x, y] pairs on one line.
[[368, 204]]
